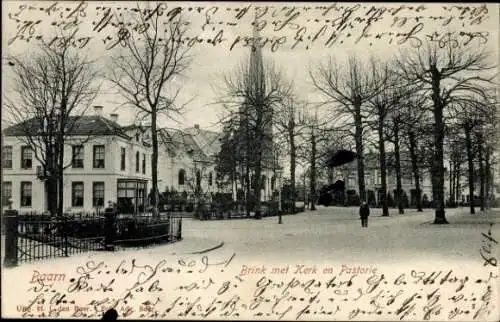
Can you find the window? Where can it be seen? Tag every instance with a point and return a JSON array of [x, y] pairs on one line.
[[210, 178], [6, 193], [137, 156], [132, 196], [26, 157], [99, 156], [98, 194], [182, 177], [77, 194], [144, 163], [26, 194], [7, 157], [198, 179], [122, 159], [77, 160]]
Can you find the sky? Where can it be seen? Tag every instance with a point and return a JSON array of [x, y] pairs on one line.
[[210, 63]]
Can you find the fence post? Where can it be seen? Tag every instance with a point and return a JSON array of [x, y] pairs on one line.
[[109, 229], [11, 234], [179, 232]]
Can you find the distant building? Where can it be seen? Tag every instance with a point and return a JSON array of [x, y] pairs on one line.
[[373, 184]]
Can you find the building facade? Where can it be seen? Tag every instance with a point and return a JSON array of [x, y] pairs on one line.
[[105, 161], [348, 173], [102, 163]]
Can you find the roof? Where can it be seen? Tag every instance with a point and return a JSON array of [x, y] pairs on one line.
[[371, 160], [176, 140], [208, 141], [83, 125]]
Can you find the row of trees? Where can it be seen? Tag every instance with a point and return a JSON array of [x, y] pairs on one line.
[[428, 101], [434, 103]]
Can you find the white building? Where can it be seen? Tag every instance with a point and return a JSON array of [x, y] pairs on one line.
[[104, 162]]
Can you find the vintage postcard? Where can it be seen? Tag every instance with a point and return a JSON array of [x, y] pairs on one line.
[[250, 161]]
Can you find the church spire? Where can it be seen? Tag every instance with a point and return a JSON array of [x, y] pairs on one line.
[[256, 66]]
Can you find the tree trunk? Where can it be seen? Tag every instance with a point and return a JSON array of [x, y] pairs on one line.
[[397, 157], [470, 163], [453, 199], [481, 174], [258, 183], [383, 167], [414, 166], [438, 167], [59, 173], [451, 188], [358, 137], [487, 183], [154, 164], [457, 178], [247, 185], [312, 182], [247, 169], [292, 165], [51, 191]]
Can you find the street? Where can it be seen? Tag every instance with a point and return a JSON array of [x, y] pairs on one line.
[[332, 233], [336, 233], [325, 246]]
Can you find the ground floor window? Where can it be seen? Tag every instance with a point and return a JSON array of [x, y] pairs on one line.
[[132, 197], [6, 193], [77, 194], [26, 190], [98, 194]]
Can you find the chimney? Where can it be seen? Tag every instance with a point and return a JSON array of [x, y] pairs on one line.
[[113, 117], [98, 110], [197, 126]]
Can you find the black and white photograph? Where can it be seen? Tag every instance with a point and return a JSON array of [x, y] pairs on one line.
[[166, 160]]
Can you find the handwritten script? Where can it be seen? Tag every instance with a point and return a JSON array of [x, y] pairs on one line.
[[280, 27], [215, 288]]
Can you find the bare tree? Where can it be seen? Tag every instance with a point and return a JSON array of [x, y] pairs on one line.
[[382, 105], [446, 72], [52, 88], [477, 119], [144, 71], [318, 138], [412, 120], [254, 91], [289, 127], [347, 89]]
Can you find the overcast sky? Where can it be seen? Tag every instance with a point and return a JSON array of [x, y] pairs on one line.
[[211, 62]]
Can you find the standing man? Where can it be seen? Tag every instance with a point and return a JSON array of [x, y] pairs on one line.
[[364, 212]]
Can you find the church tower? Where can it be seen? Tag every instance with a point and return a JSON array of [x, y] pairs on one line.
[[257, 87]]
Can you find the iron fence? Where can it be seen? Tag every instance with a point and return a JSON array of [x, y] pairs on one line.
[[32, 236], [146, 229], [42, 236]]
